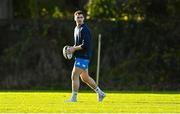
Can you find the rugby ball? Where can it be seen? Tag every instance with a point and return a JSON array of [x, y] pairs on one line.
[[66, 53]]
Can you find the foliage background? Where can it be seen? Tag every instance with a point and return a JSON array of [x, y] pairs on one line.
[[140, 44]]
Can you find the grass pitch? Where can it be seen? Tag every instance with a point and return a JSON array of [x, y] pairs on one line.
[[87, 102]]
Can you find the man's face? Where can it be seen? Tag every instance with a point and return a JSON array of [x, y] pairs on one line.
[[79, 18]]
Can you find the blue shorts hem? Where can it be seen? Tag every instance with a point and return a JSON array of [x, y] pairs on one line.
[[81, 63]]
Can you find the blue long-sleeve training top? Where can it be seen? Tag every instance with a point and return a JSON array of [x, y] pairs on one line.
[[82, 36]]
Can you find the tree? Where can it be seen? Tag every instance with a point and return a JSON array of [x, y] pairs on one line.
[[137, 10], [102, 9], [6, 9]]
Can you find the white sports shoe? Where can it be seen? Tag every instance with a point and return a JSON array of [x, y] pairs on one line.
[[101, 97], [68, 101], [71, 100]]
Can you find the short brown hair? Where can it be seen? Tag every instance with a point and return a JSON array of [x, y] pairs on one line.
[[78, 12]]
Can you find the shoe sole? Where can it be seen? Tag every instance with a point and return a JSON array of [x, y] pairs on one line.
[[102, 98]]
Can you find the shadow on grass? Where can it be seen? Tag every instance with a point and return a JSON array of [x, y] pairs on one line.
[[91, 91]]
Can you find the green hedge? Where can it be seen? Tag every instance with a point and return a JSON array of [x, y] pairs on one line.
[[135, 55]]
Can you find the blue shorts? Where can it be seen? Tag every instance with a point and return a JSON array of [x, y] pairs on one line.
[[81, 63]]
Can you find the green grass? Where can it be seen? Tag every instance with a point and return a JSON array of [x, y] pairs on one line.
[[87, 102]]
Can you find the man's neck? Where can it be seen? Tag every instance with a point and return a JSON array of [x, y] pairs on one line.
[[78, 25]]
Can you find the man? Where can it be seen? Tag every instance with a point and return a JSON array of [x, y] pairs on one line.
[[82, 52]]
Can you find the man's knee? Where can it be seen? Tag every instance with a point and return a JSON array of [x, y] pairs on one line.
[[85, 79]]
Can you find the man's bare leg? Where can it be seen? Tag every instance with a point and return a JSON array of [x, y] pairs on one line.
[[75, 83], [91, 83]]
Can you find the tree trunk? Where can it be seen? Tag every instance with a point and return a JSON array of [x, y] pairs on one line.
[[5, 9]]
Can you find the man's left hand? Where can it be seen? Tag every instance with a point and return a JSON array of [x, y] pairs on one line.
[[72, 49]]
